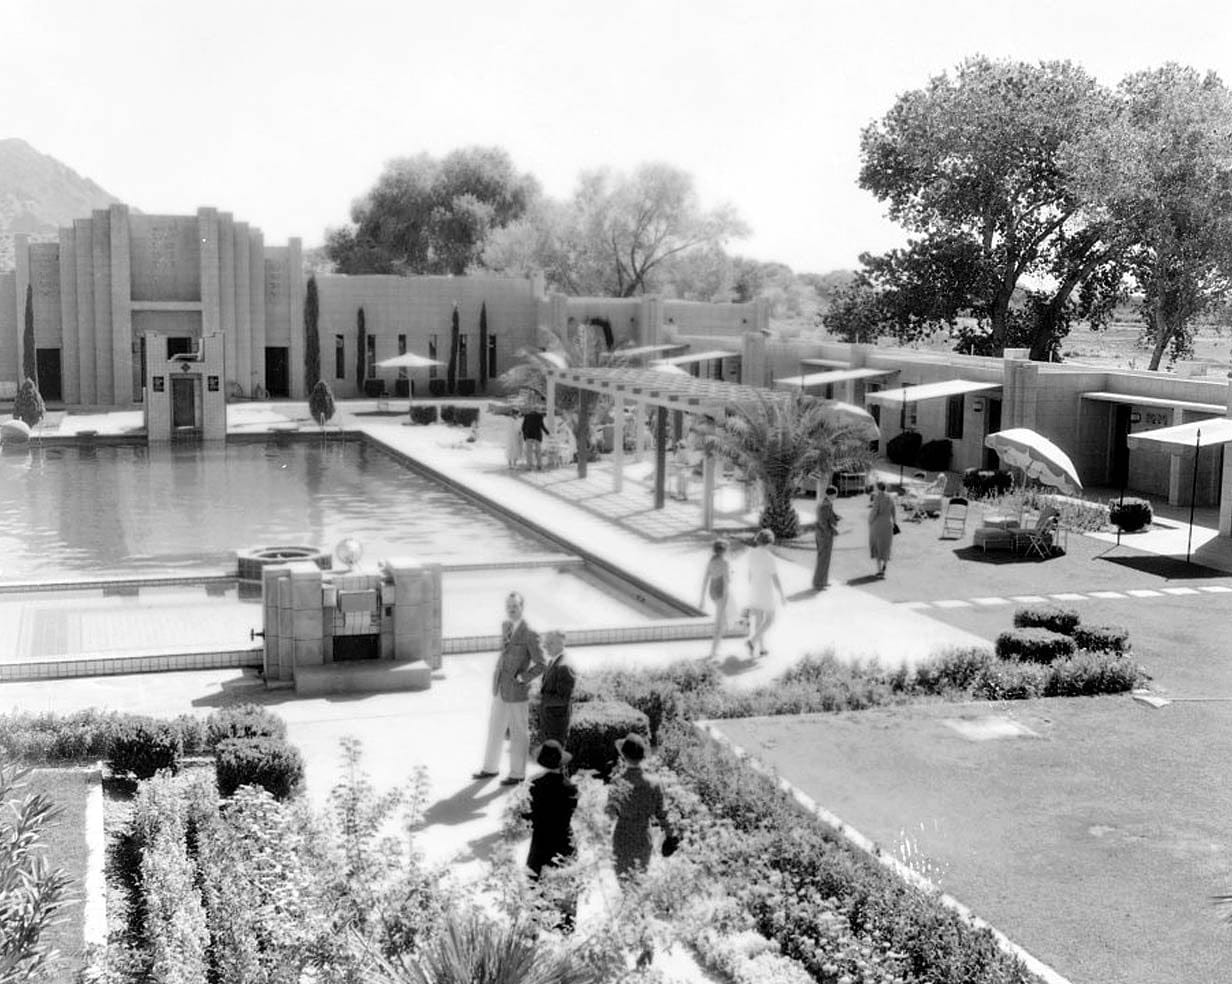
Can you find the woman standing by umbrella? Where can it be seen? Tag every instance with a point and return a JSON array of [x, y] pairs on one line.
[[882, 522]]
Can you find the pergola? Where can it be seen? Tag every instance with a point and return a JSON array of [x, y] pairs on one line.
[[667, 392]]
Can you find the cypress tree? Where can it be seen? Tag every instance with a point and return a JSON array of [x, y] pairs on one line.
[[29, 355], [312, 337], [361, 355], [483, 347], [451, 374]]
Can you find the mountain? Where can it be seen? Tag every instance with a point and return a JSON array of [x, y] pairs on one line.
[[38, 194]]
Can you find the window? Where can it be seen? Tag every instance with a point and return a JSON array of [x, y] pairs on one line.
[[432, 355], [492, 371], [370, 358], [339, 357], [954, 417], [462, 356], [402, 351]]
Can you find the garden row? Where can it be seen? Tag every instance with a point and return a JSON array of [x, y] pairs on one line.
[[430, 413]]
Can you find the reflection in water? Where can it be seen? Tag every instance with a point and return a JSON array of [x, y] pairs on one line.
[[186, 509]]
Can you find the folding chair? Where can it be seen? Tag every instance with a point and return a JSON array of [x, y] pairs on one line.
[[1037, 542], [955, 520]]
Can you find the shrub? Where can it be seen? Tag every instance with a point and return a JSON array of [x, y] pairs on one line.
[[936, 455], [1129, 514], [1051, 617], [466, 387], [244, 721], [1007, 680], [270, 763], [321, 402], [447, 413], [904, 448], [464, 416], [1034, 645], [1102, 638], [955, 668], [423, 413], [980, 483], [436, 387], [143, 746], [28, 405], [596, 727], [1088, 674]]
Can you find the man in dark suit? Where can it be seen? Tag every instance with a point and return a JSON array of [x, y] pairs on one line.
[[553, 800], [556, 689], [521, 660], [533, 431]]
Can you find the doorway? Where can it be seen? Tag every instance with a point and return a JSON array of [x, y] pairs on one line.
[[1118, 472], [48, 362], [277, 371], [183, 402]]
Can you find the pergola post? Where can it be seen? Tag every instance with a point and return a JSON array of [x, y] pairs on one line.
[[618, 444], [551, 408], [643, 430], [677, 425], [660, 478], [585, 400]]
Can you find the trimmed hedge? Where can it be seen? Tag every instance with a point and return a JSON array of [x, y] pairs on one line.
[[1051, 617], [144, 747], [83, 735], [904, 448], [1102, 638], [936, 455], [423, 413], [595, 728], [270, 763], [1130, 514], [980, 483], [1091, 673], [244, 721], [1034, 645]]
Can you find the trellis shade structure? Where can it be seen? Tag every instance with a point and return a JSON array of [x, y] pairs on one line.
[[929, 391], [1038, 457], [1184, 439], [680, 360]]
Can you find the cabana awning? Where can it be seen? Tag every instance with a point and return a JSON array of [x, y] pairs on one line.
[[1182, 439], [929, 391], [633, 353], [680, 360], [1154, 401], [828, 363], [837, 376]]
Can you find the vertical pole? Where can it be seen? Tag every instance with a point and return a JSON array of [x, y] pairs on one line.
[[585, 399], [1193, 492], [660, 456], [618, 444], [708, 469]]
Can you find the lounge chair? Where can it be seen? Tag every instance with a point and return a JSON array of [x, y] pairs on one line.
[[1039, 539]]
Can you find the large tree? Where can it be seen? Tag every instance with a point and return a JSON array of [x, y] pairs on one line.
[[972, 166], [1162, 172], [426, 215], [616, 234]]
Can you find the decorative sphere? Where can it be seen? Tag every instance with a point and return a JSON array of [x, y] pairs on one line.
[[349, 551]]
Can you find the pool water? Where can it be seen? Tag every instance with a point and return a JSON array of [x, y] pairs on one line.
[[126, 510]]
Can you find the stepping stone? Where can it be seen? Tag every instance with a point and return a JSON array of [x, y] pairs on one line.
[[1106, 594], [1179, 591], [952, 604], [1152, 701], [1216, 588], [988, 728], [990, 601], [916, 604], [1142, 593], [1069, 596], [1029, 599]]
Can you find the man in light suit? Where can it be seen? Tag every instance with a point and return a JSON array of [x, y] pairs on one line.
[[521, 660]]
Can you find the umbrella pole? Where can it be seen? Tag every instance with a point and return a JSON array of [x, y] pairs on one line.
[[1193, 492]]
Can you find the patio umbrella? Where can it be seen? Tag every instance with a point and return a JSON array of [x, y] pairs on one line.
[[849, 413], [408, 360], [1038, 457]]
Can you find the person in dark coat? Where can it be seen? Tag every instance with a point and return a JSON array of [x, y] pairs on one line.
[[521, 660], [635, 800], [553, 800], [533, 432], [556, 689], [827, 526]]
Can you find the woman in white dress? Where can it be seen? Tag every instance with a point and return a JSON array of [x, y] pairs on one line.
[[765, 591]]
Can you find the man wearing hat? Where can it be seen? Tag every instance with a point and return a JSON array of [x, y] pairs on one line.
[[521, 660], [634, 799], [553, 799]]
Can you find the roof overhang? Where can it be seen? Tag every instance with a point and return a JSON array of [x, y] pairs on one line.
[[1154, 401], [680, 360], [827, 363], [837, 376], [1184, 438], [930, 391], [641, 350]]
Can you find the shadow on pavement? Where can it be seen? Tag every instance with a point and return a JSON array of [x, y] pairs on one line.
[[980, 556], [462, 807], [1168, 568]]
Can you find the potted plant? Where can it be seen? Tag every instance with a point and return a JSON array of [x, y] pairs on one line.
[[1129, 514]]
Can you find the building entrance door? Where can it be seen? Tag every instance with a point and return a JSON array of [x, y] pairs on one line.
[[992, 424], [1118, 474], [183, 403], [48, 361], [277, 371]]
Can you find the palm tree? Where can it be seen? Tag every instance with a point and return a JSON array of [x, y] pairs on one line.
[[781, 440]]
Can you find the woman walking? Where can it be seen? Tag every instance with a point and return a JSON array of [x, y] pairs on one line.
[[882, 522], [717, 583], [765, 591], [827, 526]]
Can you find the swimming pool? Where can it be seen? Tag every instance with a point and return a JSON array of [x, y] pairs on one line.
[[69, 512]]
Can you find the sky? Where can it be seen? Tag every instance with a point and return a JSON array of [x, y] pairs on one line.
[[284, 113]]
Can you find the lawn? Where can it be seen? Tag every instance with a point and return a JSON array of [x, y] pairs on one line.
[[67, 849]]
